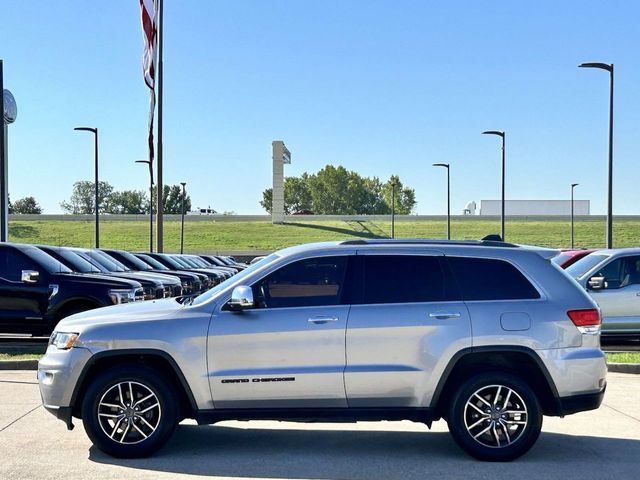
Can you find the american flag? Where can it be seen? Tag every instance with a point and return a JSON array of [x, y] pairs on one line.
[[149, 32]]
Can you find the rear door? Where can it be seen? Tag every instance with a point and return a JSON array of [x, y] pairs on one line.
[[408, 318]]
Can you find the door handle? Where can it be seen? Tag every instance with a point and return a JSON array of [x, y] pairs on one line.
[[444, 315], [321, 320]]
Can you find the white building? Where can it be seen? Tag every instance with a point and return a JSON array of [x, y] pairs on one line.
[[535, 207]]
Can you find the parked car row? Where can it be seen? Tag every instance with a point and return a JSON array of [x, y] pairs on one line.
[[41, 284], [612, 279]]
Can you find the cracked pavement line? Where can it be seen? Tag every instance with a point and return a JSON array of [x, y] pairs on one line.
[[19, 418], [621, 412]]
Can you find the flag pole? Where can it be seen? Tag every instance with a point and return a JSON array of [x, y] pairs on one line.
[[4, 183], [160, 184]]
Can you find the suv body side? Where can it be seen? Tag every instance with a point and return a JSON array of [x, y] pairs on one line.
[[338, 346]]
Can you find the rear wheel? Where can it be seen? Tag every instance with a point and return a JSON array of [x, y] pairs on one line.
[[129, 411], [495, 417]]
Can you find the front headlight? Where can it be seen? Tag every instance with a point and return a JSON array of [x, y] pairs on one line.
[[63, 340], [122, 295]]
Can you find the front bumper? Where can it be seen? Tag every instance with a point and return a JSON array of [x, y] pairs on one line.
[[62, 413], [58, 374]]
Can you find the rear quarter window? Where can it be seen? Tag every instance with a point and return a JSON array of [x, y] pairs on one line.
[[490, 279]]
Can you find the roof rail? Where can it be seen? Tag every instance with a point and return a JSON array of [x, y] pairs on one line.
[[428, 241]]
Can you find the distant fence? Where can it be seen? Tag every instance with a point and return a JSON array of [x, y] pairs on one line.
[[310, 218]]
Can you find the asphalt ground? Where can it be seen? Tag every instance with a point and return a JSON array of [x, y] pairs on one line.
[[601, 444]]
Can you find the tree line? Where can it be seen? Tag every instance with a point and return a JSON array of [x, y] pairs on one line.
[[82, 200], [25, 206], [338, 191]]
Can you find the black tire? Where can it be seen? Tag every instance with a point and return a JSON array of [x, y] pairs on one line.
[[129, 439], [507, 437]]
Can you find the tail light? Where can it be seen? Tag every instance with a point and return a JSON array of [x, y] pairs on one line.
[[587, 320]]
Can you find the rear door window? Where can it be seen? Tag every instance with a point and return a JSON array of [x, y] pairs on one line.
[[490, 279], [405, 279]]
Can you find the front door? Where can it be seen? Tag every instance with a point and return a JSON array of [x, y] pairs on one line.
[[22, 305], [288, 351]]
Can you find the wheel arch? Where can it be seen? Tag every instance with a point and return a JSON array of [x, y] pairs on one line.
[[516, 360], [73, 302], [156, 359]]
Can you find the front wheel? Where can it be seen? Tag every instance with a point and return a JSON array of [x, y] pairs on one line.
[[129, 411], [495, 417]]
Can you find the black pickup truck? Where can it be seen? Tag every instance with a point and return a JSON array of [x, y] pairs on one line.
[[37, 291]]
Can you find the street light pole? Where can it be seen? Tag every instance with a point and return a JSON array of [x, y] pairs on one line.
[[393, 210], [572, 187], [608, 68], [97, 203], [502, 135], [148, 162], [182, 219], [446, 165]]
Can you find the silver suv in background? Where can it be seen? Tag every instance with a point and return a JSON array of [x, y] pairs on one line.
[[612, 279], [486, 335]]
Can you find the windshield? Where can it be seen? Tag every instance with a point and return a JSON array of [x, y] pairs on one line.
[[173, 262], [73, 261], [215, 261], [585, 264], [50, 264], [101, 268], [187, 262], [132, 261], [99, 262], [177, 262], [236, 278], [199, 262], [151, 261], [121, 266]]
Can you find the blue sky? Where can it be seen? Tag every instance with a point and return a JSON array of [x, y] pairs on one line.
[[381, 87]]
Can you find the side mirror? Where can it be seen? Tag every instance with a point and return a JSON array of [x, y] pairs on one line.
[[241, 299], [30, 276], [596, 283]]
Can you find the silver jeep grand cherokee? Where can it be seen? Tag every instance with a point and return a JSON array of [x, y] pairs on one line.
[[487, 335]]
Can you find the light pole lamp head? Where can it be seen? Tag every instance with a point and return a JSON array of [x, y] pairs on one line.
[[601, 66], [493, 132], [445, 165], [574, 185], [86, 129]]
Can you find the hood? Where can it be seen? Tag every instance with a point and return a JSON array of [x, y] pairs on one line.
[[164, 279], [97, 279], [145, 281], [127, 313]]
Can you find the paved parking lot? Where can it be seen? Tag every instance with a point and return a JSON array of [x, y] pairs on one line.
[[601, 444]]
